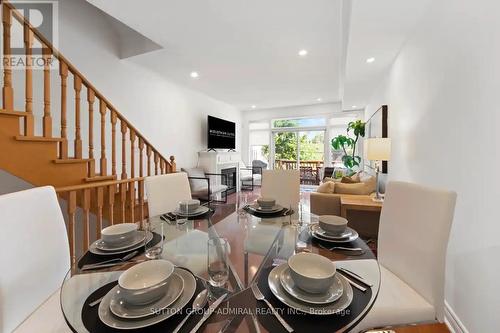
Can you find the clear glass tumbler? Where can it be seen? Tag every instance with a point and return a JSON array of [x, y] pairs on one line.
[[242, 202], [154, 250], [218, 269]]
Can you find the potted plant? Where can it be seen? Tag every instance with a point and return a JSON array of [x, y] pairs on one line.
[[348, 144]]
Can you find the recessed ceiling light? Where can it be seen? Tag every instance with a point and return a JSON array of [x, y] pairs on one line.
[[254, 106], [354, 106], [302, 53], [319, 99], [370, 60], [195, 75]]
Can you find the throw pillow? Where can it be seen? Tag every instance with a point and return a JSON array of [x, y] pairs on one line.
[[326, 187], [357, 188], [351, 180]]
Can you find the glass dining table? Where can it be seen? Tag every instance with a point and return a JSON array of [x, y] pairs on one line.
[[256, 246]]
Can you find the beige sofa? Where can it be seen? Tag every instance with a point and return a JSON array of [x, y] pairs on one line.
[[366, 223]]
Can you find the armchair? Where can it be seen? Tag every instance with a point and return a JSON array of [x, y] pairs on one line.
[[251, 176], [204, 188]]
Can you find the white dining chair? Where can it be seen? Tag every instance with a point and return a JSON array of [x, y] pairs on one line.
[[283, 186], [164, 192], [414, 230], [35, 259]]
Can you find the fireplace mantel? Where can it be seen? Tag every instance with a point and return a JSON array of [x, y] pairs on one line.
[[216, 161]]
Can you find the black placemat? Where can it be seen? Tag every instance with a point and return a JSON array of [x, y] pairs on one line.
[[91, 258], [92, 323], [172, 217], [269, 216], [302, 322]]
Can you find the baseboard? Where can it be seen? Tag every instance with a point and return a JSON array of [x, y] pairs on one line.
[[452, 321]]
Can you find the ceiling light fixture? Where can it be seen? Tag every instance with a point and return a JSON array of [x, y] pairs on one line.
[[370, 60], [254, 106], [303, 53], [319, 99], [195, 75], [354, 106]]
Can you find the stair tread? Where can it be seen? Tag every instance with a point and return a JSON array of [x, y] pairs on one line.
[[36, 138], [13, 113], [72, 160], [98, 178]]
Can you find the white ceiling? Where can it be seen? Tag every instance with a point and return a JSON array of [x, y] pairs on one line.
[[246, 51]]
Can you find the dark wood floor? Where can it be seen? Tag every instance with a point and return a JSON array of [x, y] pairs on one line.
[[224, 210]]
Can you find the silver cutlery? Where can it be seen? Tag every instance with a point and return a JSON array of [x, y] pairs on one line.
[[260, 297], [209, 312], [355, 276], [341, 248], [94, 303], [352, 283], [226, 325], [110, 262], [198, 304]]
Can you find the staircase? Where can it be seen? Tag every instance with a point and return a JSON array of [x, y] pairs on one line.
[[99, 168]]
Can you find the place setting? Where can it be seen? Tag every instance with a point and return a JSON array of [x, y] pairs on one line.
[[267, 208], [118, 244], [188, 210], [309, 288]]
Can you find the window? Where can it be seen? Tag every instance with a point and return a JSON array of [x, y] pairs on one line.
[[258, 141], [299, 122]]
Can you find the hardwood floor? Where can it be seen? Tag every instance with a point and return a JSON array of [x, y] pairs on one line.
[[224, 210]]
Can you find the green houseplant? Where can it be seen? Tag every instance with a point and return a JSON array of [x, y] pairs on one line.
[[348, 144]]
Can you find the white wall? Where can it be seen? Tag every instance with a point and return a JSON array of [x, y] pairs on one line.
[[171, 117], [442, 92]]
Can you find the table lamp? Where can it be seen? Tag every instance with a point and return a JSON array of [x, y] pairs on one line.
[[378, 149]]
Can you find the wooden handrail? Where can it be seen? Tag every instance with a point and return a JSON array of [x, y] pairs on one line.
[[47, 44], [96, 185]]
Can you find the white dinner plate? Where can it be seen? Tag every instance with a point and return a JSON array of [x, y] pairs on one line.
[[198, 211], [331, 295], [122, 309], [312, 230], [316, 309], [272, 210], [109, 319], [139, 236], [93, 249]]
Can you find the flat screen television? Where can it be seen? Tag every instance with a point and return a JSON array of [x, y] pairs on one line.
[[221, 133]]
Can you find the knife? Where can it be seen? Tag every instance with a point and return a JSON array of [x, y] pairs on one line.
[[209, 312], [351, 282], [355, 276]]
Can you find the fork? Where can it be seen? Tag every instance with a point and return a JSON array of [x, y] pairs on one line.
[[341, 248], [260, 297]]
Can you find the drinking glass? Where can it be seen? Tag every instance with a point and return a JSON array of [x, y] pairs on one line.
[[242, 202], [218, 269], [184, 208], [151, 250], [301, 243]]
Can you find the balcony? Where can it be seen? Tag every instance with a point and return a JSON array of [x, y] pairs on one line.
[[309, 169]]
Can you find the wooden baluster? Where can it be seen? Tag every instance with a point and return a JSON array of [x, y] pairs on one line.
[[156, 162], [131, 196], [162, 166], [99, 204], [63, 72], [78, 134], [71, 225], [91, 100], [123, 200], [113, 143], [7, 91], [102, 110], [141, 201], [141, 156], [132, 153], [111, 204], [148, 153], [28, 44], [173, 166], [86, 218], [47, 118], [124, 147]]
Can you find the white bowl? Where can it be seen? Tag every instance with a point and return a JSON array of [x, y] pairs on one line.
[[145, 282], [266, 202], [189, 206], [332, 224], [118, 233], [312, 272]]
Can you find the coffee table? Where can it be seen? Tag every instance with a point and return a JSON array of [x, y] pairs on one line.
[[359, 203]]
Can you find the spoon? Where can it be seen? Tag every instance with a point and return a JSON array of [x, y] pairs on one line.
[[198, 304]]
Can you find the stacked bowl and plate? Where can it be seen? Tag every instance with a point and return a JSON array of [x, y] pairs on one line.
[[120, 238], [333, 229]]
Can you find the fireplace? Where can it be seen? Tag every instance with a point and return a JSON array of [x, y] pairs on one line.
[[230, 180]]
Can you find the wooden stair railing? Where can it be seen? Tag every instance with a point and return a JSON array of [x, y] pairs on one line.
[[149, 162], [91, 207]]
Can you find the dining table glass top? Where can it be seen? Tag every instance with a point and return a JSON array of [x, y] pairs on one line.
[[255, 247]]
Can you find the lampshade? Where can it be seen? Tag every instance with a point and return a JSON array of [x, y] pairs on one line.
[[378, 149]]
